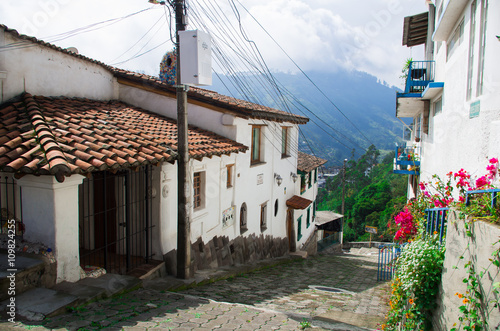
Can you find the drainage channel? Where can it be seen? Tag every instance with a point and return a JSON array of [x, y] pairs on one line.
[[329, 289]]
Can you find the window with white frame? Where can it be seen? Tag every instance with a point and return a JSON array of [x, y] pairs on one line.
[[229, 175], [455, 40], [285, 141], [472, 34], [198, 190], [482, 44], [263, 216], [243, 218], [438, 106], [256, 149]]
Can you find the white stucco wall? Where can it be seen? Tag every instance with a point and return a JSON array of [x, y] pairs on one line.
[[41, 70], [50, 216], [461, 249], [253, 185], [457, 141]]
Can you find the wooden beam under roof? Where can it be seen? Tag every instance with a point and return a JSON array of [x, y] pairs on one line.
[[415, 29]]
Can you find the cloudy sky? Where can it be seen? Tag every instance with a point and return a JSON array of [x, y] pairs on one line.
[[317, 34]]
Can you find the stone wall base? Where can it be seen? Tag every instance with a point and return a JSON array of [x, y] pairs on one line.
[[220, 252], [311, 245]]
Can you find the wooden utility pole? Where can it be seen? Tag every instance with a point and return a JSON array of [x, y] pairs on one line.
[[183, 187], [343, 200]]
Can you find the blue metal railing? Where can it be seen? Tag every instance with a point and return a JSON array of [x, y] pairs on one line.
[[420, 74], [387, 255], [436, 221], [405, 161], [493, 193]]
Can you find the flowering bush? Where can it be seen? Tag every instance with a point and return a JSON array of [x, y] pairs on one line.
[[415, 285], [407, 226], [419, 267]]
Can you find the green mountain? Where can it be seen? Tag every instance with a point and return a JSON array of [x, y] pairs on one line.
[[366, 116]]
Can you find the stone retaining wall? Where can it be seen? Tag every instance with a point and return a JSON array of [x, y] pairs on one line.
[[220, 251], [311, 245], [478, 249], [359, 244]]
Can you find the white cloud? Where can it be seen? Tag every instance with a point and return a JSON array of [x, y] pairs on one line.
[[318, 34]]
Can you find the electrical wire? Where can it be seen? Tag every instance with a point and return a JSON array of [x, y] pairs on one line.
[[243, 90], [138, 41], [307, 76], [237, 84], [61, 36]]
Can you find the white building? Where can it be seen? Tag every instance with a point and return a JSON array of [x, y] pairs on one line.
[[453, 94], [89, 153]]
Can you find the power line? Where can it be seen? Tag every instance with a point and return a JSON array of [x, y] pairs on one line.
[[138, 41], [298, 67], [224, 62], [61, 36], [237, 85]]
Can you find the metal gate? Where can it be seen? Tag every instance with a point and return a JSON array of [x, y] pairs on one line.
[[115, 228], [387, 255], [10, 207]]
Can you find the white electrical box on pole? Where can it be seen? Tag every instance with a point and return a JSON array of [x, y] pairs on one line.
[[196, 57]]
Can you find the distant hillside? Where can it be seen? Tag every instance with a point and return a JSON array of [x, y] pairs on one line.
[[367, 103]]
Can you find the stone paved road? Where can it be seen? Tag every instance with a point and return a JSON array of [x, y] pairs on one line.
[[275, 298], [290, 288]]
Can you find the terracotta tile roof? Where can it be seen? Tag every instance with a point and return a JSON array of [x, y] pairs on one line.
[[62, 136], [298, 202], [238, 107], [235, 106], [307, 163]]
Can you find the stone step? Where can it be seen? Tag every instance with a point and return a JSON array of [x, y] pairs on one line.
[[112, 284], [299, 254], [84, 293], [38, 303], [30, 272]]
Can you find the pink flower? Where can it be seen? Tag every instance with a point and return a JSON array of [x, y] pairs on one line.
[[482, 181], [422, 186], [493, 160], [461, 199], [404, 220]]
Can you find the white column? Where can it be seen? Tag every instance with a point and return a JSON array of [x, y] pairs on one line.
[[50, 216]]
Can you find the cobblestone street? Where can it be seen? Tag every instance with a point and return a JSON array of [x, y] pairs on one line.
[[288, 296]]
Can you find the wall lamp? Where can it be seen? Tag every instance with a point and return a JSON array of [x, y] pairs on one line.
[[294, 176], [278, 178]]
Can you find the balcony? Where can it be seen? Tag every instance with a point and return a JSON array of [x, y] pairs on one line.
[[419, 89], [407, 159]]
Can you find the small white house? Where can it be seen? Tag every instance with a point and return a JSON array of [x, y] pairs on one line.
[[89, 152], [453, 93]]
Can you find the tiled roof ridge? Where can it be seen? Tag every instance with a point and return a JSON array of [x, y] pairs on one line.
[[307, 162], [246, 108], [47, 142]]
